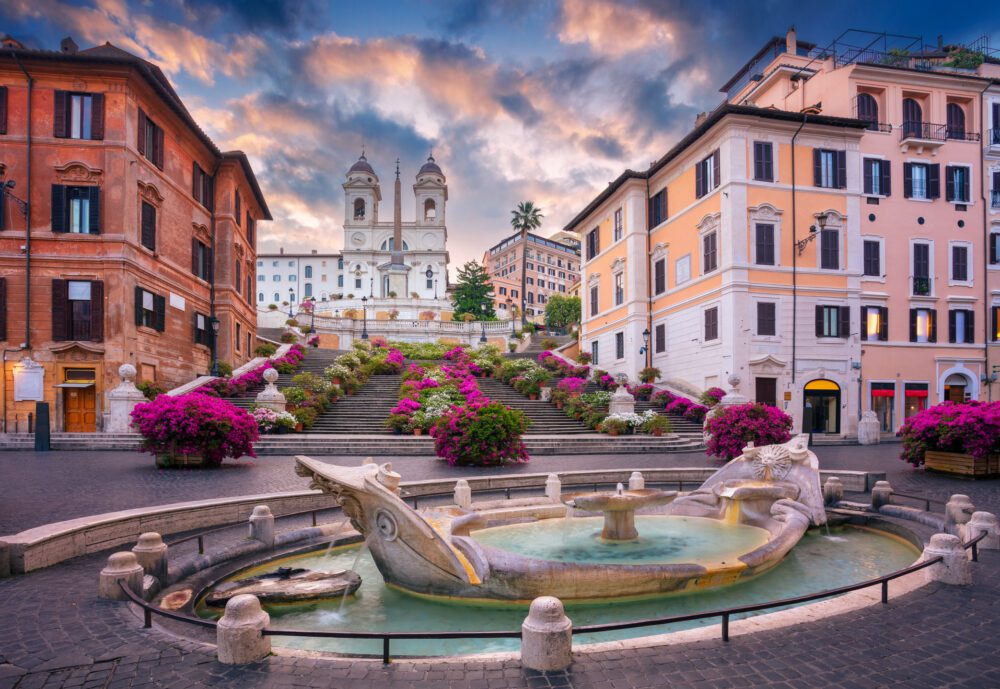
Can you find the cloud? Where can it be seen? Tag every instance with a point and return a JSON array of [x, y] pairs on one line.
[[614, 28]]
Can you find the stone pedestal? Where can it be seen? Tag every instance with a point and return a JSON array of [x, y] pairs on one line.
[[833, 491], [545, 394], [463, 494], [733, 397], [869, 429], [957, 512], [553, 488], [270, 397], [984, 521], [151, 552], [122, 400], [622, 402], [881, 494], [238, 634], [546, 636], [262, 525], [619, 525], [636, 481], [955, 568], [121, 567]]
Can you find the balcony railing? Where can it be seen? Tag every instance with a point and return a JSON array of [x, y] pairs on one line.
[[994, 137], [995, 198], [921, 286], [883, 127], [928, 131]]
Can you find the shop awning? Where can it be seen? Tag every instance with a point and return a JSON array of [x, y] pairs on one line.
[[916, 393], [75, 385], [883, 393]]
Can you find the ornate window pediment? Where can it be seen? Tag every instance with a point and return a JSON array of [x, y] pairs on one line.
[[201, 233], [765, 212], [77, 172], [593, 279], [709, 222], [660, 250], [833, 217], [619, 264], [150, 194]]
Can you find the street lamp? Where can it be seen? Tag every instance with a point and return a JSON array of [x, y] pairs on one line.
[[813, 232], [510, 314], [291, 298], [482, 338], [215, 346], [645, 345], [6, 191], [312, 320], [364, 316]]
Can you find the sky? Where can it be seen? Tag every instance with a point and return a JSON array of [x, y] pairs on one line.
[[544, 100]]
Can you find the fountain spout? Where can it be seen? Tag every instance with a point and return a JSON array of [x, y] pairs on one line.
[[619, 508]]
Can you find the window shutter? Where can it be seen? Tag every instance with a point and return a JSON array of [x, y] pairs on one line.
[[138, 305], [845, 322], [841, 169], [3, 309], [864, 321], [96, 311], [908, 180], [883, 323], [934, 181], [819, 321], [141, 133], [194, 327], [210, 264], [817, 167], [158, 144], [932, 326], [994, 248], [239, 211], [868, 166], [952, 318], [250, 231], [716, 169], [966, 181], [886, 177], [60, 310], [160, 310], [148, 238], [97, 116], [970, 326], [95, 210], [913, 325], [3, 210], [59, 208], [699, 180], [3, 109], [949, 183], [59, 115], [194, 255], [195, 182], [758, 160]]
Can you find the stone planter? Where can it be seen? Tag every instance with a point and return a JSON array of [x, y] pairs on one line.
[[172, 460], [962, 464]]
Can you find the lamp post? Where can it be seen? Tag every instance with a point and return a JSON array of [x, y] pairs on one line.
[[364, 318], [645, 346], [291, 298], [510, 314], [482, 338], [312, 319], [215, 346]]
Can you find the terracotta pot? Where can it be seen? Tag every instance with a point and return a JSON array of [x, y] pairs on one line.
[[657, 433], [559, 405], [613, 434], [336, 381], [298, 428], [418, 431], [532, 397]]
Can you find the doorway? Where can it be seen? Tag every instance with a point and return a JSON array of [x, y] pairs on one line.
[[79, 400], [956, 388], [823, 396], [766, 391]]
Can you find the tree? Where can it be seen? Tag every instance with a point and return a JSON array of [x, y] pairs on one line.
[[525, 217], [474, 293], [562, 312]]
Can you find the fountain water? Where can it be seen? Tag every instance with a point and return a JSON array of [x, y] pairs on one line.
[[619, 508]]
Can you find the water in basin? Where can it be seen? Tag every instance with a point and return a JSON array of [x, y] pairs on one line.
[[815, 564], [662, 540]]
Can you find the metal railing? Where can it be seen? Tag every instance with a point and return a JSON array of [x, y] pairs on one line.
[[994, 136], [995, 198], [928, 131], [921, 286]]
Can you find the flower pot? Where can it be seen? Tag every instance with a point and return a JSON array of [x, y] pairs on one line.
[[336, 380], [418, 431], [613, 434], [559, 405], [532, 397], [962, 464], [172, 460], [657, 433], [280, 430], [397, 431], [298, 428]]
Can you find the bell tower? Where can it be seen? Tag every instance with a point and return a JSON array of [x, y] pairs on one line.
[[430, 194], [362, 194]]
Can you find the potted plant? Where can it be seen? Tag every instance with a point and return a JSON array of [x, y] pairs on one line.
[[649, 374], [583, 358], [393, 313], [657, 426], [642, 392], [397, 423], [392, 294], [614, 426], [313, 341], [961, 439], [712, 396]]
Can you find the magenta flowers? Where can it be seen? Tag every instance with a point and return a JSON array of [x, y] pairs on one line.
[[731, 428], [972, 428]]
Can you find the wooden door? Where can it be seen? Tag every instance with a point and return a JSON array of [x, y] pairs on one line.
[[81, 409]]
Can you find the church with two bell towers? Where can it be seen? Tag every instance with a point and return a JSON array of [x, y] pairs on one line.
[[392, 258]]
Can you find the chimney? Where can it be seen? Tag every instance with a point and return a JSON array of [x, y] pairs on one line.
[[314, 251], [281, 249], [68, 45], [699, 118], [791, 43], [940, 43]]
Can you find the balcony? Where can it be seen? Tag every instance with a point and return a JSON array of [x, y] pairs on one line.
[[921, 287], [923, 135], [995, 198]]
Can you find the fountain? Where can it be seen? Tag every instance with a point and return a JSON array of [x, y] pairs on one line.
[[619, 508]]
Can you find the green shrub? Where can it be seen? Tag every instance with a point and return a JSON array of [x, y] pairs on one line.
[[225, 369], [549, 343], [306, 416], [294, 395], [657, 423], [310, 382], [265, 349], [288, 337]]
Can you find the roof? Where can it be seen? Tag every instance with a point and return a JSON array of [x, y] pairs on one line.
[[154, 76], [362, 165], [714, 118], [777, 43], [430, 167]]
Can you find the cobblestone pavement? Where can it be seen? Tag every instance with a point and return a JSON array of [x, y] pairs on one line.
[[54, 633], [40, 488]]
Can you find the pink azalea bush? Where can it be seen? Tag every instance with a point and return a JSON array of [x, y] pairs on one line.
[[562, 368], [696, 413], [679, 406], [482, 433], [731, 428], [712, 396], [454, 354], [607, 382], [572, 386], [230, 387], [195, 424], [972, 428]]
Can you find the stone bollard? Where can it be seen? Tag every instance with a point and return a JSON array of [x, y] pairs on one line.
[[553, 488], [869, 429], [881, 494], [984, 521], [121, 567], [463, 494], [957, 512], [238, 634], [955, 569], [545, 394], [270, 397], [636, 481], [151, 553], [546, 636], [262, 525], [833, 491]]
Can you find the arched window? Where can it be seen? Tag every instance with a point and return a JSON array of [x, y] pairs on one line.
[[868, 109], [390, 243], [359, 209], [309, 289], [309, 271], [430, 209], [956, 121], [277, 298], [913, 118], [260, 296]]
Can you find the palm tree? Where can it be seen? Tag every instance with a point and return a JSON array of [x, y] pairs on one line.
[[525, 217]]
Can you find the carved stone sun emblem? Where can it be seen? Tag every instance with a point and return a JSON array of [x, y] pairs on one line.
[[772, 463]]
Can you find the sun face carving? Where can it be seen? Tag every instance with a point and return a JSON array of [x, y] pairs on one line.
[[772, 463]]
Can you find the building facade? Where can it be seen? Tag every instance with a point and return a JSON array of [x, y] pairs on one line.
[[291, 277], [551, 267], [139, 232]]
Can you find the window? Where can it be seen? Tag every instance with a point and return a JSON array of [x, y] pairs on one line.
[[707, 174], [239, 208], [78, 115], [237, 271], [660, 338], [712, 324], [277, 297], [619, 227], [530, 280], [923, 325], [76, 210], [875, 323], [201, 260], [867, 110], [357, 283], [238, 336], [503, 291], [763, 161], [619, 345], [877, 177], [873, 258], [202, 188], [619, 289], [766, 318], [276, 278], [764, 244], [201, 331], [340, 264], [150, 309], [829, 168], [833, 321], [249, 286], [309, 290], [148, 229], [995, 323], [913, 119], [994, 248], [710, 256], [593, 243], [957, 183], [291, 264], [429, 283], [829, 249], [660, 276], [961, 326], [150, 140], [309, 271], [956, 121], [657, 208], [682, 269], [340, 281], [594, 352], [251, 230], [261, 278], [594, 307], [922, 269], [77, 310], [921, 181], [531, 297], [960, 263], [260, 296]]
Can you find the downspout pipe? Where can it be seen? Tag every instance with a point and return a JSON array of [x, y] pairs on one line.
[[795, 254], [27, 215], [986, 247], [211, 283], [649, 280]]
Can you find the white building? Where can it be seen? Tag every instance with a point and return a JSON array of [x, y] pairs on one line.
[[293, 277]]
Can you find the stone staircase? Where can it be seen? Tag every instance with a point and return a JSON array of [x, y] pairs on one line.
[[364, 412], [315, 361], [545, 418]]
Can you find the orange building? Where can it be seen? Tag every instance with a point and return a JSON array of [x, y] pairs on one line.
[[141, 232], [551, 267]]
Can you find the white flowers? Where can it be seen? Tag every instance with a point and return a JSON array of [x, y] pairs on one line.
[[633, 419]]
